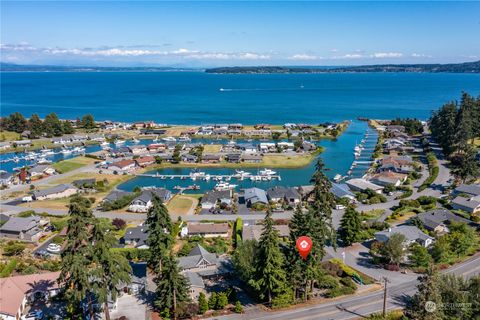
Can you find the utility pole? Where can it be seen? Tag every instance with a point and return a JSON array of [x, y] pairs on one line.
[[385, 280]]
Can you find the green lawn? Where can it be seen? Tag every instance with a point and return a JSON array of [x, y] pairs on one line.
[[72, 164]]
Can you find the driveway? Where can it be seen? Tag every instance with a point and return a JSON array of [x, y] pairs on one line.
[[130, 306]]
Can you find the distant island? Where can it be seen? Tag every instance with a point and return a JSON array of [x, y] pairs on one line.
[[11, 67], [466, 67]]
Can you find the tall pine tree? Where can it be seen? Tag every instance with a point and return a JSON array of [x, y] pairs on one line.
[[270, 277], [159, 239], [350, 226], [427, 301]]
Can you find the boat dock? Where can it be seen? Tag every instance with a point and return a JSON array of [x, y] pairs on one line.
[[217, 177]]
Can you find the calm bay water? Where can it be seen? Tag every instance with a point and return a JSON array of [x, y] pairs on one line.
[[195, 97]]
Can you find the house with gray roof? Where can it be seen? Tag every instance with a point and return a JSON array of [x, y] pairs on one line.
[[438, 220], [470, 205], [115, 195], [288, 195], [341, 190], [472, 190], [26, 229], [6, 178], [40, 169], [60, 191], [212, 198], [136, 237], [85, 183], [254, 231], [255, 195], [412, 234], [143, 202], [359, 184]]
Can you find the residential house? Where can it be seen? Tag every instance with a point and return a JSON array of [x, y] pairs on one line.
[[189, 158], [386, 178], [283, 194], [399, 164], [17, 292], [125, 165], [143, 202], [395, 128], [309, 146], [96, 137], [60, 191], [121, 152], [40, 170], [208, 230], [472, 190], [138, 280], [341, 190], [234, 157], [267, 147], [470, 205], [247, 147], [412, 234], [252, 158], [26, 229], [438, 220], [255, 195], [22, 143], [212, 198], [285, 145], [168, 157], [211, 158], [305, 191], [153, 131], [138, 149], [253, 232], [145, 161], [85, 183], [157, 147], [6, 178], [115, 195], [4, 145], [136, 237], [359, 184], [235, 126]]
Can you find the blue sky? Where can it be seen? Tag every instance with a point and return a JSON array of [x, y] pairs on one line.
[[238, 33]]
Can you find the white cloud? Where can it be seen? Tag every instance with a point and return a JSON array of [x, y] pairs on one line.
[[303, 57], [382, 55], [349, 56], [420, 55]]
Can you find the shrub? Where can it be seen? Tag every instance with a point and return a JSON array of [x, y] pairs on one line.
[[346, 269], [119, 224], [238, 307], [8, 268], [26, 214], [13, 248]]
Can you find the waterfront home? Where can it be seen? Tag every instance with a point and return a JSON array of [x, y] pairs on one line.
[[25, 229], [257, 132], [144, 124], [85, 183], [122, 166], [412, 234], [253, 232], [208, 230], [157, 147], [235, 126], [470, 205], [289, 126], [143, 202], [262, 126], [252, 158], [6, 178], [359, 184], [438, 220], [136, 237], [285, 145], [151, 131], [211, 158], [96, 137], [386, 178], [342, 191], [18, 292], [393, 144], [234, 132], [399, 164], [145, 161], [395, 128], [472, 190], [309, 146], [234, 157], [282, 194], [168, 157], [305, 192], [253, 196], [115, 195], [247, 147], [189, 158], [60, 191], [22, 143], [121, 152], [138, 149], [4, 145], [212, 198], [267, 147], [40, 170]]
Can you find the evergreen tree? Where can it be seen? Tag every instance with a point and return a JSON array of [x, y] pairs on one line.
[[350, 226], [454, 292], [15, 122], [443, 125], [88, 122], [427, 301], [212, 301], [77, 257], [159, 238], [35, 125], [172, 287], [67, 127], [419, 255], [53, 125], [270, 277], [465, 120], [111, 268], [393, 249], [202, 303], [464, 163], [474, 296]]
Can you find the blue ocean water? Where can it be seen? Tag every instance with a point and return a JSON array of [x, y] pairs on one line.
[[195, 97]]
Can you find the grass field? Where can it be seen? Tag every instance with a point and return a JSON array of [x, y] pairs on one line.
[[181, 204], [212, 148], [9, 136], [72, 164]]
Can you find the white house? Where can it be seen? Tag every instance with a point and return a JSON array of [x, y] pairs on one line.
[[143, 202]]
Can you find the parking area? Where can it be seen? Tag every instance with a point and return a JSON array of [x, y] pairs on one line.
[[130, 306]]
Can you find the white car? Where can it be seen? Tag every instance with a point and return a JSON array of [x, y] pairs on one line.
[[27, 199], [54, 248]]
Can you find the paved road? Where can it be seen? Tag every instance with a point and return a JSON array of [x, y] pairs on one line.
[[357, 306]]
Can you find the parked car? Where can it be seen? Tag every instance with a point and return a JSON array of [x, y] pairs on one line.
[[27, 199], [54, 248], [42, 254], [49, 228]]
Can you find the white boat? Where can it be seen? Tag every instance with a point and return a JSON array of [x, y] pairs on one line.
[[169, 139], [30, 156], [135, 140], [207, 177], [46, 151], [267, 172], [118, 142], [184, 139], [104, 145], [66, 151], [42, 160], [223, 186], [156, 139], [197, 175], [337, 178]]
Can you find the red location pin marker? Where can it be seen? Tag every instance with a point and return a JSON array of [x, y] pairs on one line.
[[304, 246]]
